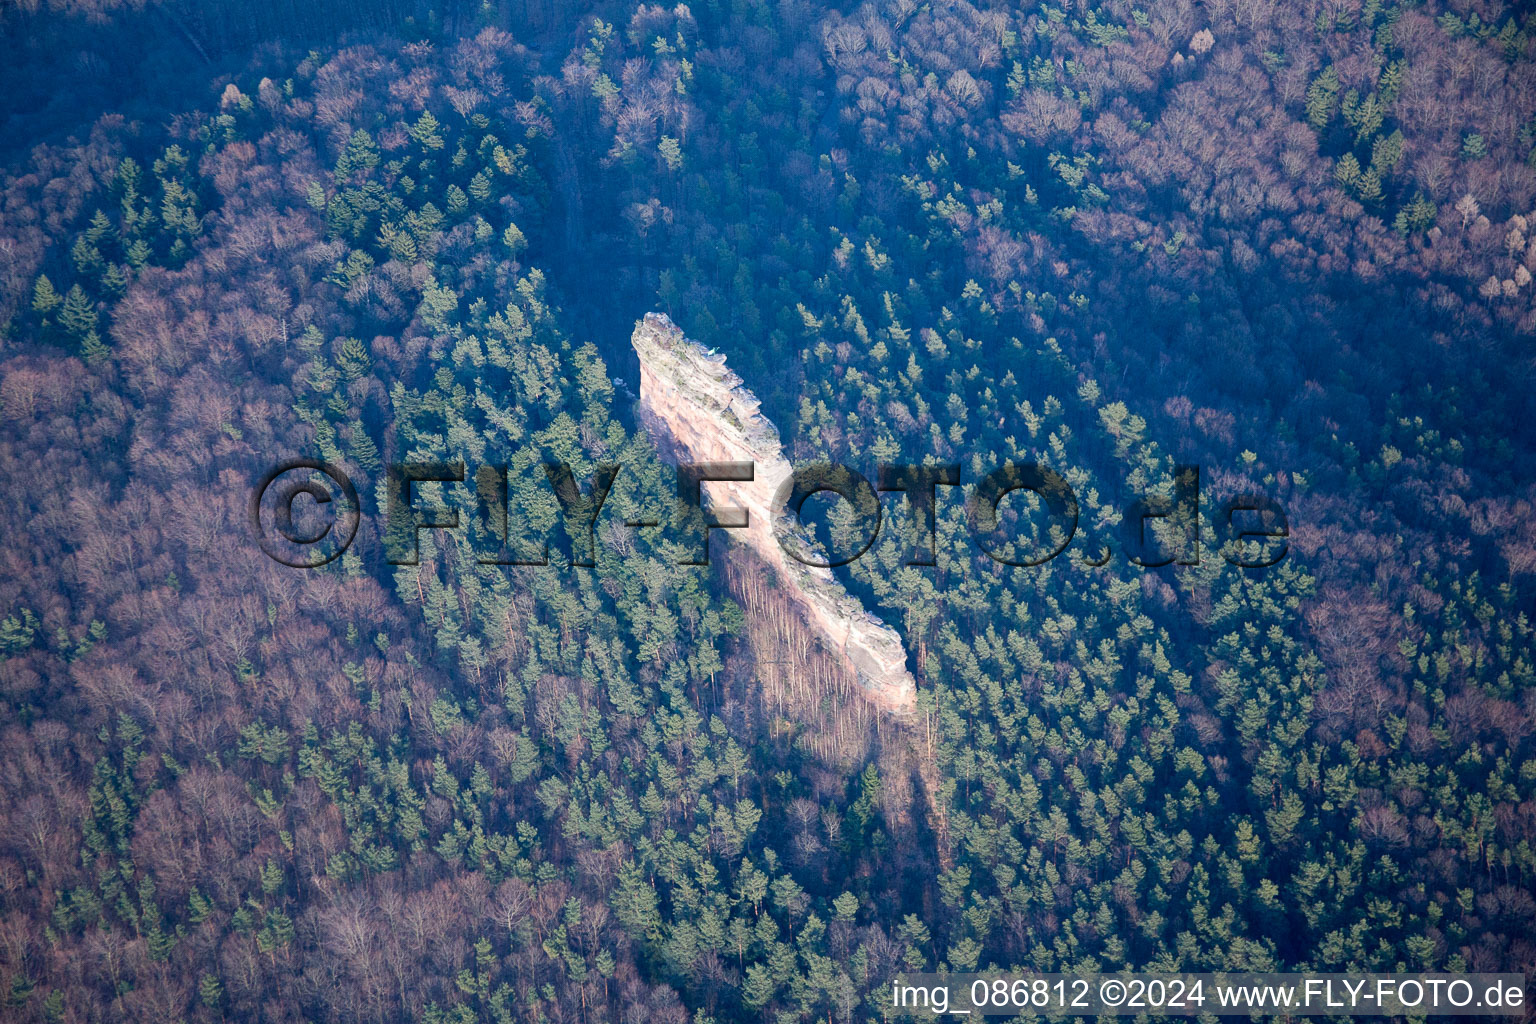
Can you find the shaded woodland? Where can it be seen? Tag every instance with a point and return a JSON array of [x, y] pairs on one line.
[[1291, 244]]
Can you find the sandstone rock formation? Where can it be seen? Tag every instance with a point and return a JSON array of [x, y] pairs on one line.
[[697, 411]]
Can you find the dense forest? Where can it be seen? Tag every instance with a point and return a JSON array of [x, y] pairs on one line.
[[1289, 243]]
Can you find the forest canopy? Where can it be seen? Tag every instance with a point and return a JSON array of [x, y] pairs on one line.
[[1290, 244]]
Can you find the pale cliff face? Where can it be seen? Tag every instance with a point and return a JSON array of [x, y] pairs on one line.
[[694, 405]]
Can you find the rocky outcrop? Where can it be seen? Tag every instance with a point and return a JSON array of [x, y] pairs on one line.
[[698, 411]]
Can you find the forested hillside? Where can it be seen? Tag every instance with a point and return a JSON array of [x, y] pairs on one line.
[[1290, 244]]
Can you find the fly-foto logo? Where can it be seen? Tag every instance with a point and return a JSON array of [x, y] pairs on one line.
[[305, 513]]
